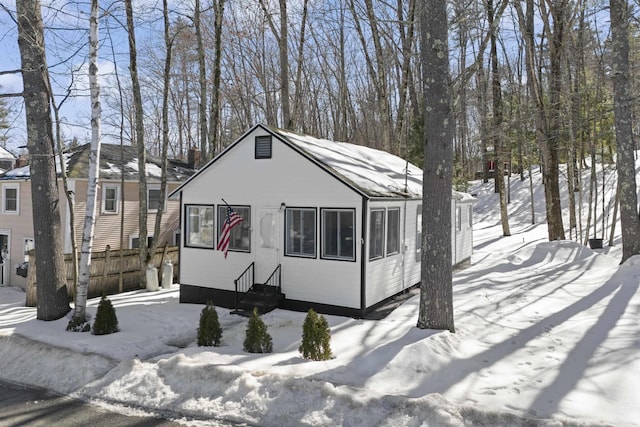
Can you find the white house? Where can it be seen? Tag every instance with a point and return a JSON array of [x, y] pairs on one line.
[[326, 225]]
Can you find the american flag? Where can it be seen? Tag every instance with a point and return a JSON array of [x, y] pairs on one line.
[[232, 219]]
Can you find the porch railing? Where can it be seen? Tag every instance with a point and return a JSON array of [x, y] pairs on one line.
[[274, 281], [243, 283]]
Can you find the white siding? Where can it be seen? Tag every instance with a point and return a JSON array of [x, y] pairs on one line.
[[287, 178], [463, 234]]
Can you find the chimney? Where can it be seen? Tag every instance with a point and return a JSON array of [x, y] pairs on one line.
[[22, 161], [193, 158]]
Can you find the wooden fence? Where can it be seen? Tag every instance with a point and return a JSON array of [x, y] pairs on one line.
[[107, 269]]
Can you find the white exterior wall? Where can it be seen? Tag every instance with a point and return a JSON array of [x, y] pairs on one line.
[[393, 273], [462, 244], [287, 177]]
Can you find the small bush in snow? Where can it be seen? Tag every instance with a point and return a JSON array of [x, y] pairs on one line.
[[209, 331], [316, 337], [257, 339], [78, 324], [106, 321]]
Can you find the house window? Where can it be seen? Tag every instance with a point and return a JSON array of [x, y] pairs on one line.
[[393, 231], [418, 232], [263, 147], [10, 198], [240, 237], [458, 218], [300, 225], [110, 198], [199, 230], [153, 199], [376, 234], [470, 213], [134, 242], [29, 245], [338, 234]]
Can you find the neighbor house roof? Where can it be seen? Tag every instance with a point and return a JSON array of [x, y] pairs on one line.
[[114, 159], [4, 154]]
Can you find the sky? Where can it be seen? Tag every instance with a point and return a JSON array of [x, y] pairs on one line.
[[546, 335]]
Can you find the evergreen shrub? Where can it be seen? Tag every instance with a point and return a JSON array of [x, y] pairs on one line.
[[79, 324], [257, 339], [209, 331], [106, 321], [316, 337]]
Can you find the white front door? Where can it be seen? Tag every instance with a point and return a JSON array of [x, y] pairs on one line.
[[4, 257], [268, 243]]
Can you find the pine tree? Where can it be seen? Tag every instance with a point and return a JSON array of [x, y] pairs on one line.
[[316, 337], [106, 321], [209, 331], [257, 339]]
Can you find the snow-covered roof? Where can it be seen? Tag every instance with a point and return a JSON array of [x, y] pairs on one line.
[[4, 154], [111, 157], [374, 172]]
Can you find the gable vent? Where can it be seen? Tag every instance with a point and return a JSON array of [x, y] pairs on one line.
[[263, 147]]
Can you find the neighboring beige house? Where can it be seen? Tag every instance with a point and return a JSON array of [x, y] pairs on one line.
[[116, 205]]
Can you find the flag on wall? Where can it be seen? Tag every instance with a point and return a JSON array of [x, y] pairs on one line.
[[232, 219]]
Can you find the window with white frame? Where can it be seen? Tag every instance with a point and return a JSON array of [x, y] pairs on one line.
[[134, 242], [110, 198], [376, 234], [199, 226], [458, 218], [10, 198], [393, 231], [240, 236], [153, 198], [470, 213], [300, 226], [338, 233], [418, 232]]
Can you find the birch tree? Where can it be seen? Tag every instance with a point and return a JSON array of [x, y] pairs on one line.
[[436, 292], [52, 296], [622, 107], [80, 311]]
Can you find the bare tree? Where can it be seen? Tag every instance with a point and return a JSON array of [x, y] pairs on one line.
[[436, 292], [52, 295], [621, 73]]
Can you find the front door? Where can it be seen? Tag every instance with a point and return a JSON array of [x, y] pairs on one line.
[[4, 258], [268, 244]]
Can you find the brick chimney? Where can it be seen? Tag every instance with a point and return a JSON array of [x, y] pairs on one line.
[[193, 158]]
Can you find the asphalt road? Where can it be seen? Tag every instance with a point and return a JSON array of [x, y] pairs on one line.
[[20, 406]]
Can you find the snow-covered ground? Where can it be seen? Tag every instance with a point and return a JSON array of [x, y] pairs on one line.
[[546, 334]]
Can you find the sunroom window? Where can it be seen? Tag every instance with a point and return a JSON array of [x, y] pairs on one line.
[[300, 232], [376, 234], [338, 234], [393, 231]]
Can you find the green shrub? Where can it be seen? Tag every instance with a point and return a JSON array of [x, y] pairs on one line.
[[257, 339], [106, 321], [316, 337], [78, 324], [209, 331]]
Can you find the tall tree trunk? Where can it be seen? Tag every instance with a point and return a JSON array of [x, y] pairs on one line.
[[214, 109], [436, 292], [80, 310], [622, 108], [202, 79], [139, 142], [52, 298]]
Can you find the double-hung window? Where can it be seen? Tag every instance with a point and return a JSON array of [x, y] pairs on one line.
[[153, 199], [199, 227], [300, 225], [376, 234], [393, 231], [110, 198], [240, 237], [10, 198], [338, 232]]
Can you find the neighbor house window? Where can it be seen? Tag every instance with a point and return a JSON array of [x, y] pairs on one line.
[[153, 199], [418, 232], [470, 213], [338, 234], [376, 234], [28, 247], [199, 228], [263, 147], [300, 226], [10, 198], [134, 242], [458, 218], [393, 231], [110, 198], [240, 237]]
